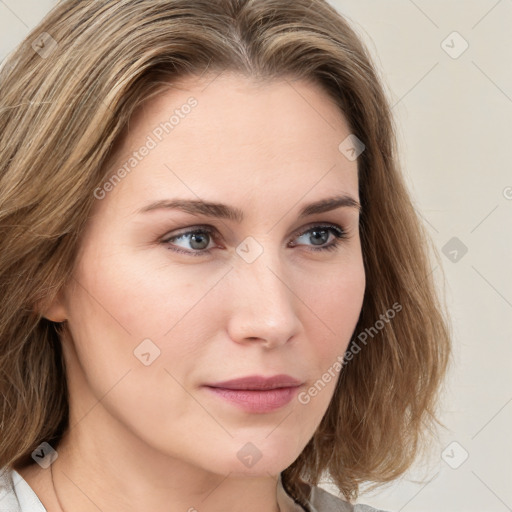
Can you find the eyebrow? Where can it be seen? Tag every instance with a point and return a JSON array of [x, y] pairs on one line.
[[224, 211]]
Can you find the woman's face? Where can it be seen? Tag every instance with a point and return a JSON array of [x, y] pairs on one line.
[[167, 300]]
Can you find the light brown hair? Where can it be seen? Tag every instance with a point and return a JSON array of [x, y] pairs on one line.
[[63, 107]]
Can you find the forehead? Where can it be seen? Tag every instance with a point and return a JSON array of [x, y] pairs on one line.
[[229, 102], [229, 132]]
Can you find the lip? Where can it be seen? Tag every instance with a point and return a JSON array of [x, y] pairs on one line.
[[257, 394], [258, 382]]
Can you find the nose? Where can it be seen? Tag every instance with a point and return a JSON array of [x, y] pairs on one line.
[[263, 307]]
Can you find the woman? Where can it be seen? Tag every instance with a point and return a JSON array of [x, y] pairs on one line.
[[217, 289]]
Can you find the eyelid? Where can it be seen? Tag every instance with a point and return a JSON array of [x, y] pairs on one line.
[[185, 231], [342, 234], [320, 224]]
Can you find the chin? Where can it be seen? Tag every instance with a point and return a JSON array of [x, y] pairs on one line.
[[259, 457]]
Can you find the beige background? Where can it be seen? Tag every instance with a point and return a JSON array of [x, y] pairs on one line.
[[455, 120]]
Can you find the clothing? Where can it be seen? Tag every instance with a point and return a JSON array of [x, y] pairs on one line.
[[17, 496]]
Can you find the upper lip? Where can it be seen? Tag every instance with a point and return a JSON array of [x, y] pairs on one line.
[[258, 382]]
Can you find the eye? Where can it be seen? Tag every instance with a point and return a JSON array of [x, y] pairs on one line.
[[320, 235], [199, 239]]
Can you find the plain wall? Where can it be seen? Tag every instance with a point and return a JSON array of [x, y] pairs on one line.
[[454, 114]]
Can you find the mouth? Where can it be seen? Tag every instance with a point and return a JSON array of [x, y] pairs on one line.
[[257, 394]]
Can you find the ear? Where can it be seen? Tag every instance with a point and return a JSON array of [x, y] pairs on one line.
[[56, 311]]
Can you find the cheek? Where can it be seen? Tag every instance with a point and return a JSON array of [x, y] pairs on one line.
[[336, 302], [335, 299], [116, 304], [135, 294], [122, 299]]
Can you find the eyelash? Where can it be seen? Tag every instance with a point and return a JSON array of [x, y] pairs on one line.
[[337, 231]]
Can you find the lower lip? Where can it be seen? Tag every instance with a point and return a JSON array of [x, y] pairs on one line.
[[257, 401]]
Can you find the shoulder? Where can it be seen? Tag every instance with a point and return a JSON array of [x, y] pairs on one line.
[[8, 499], [15, 493], [321, 500]]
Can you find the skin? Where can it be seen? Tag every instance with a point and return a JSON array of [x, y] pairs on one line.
[[143, 437]]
